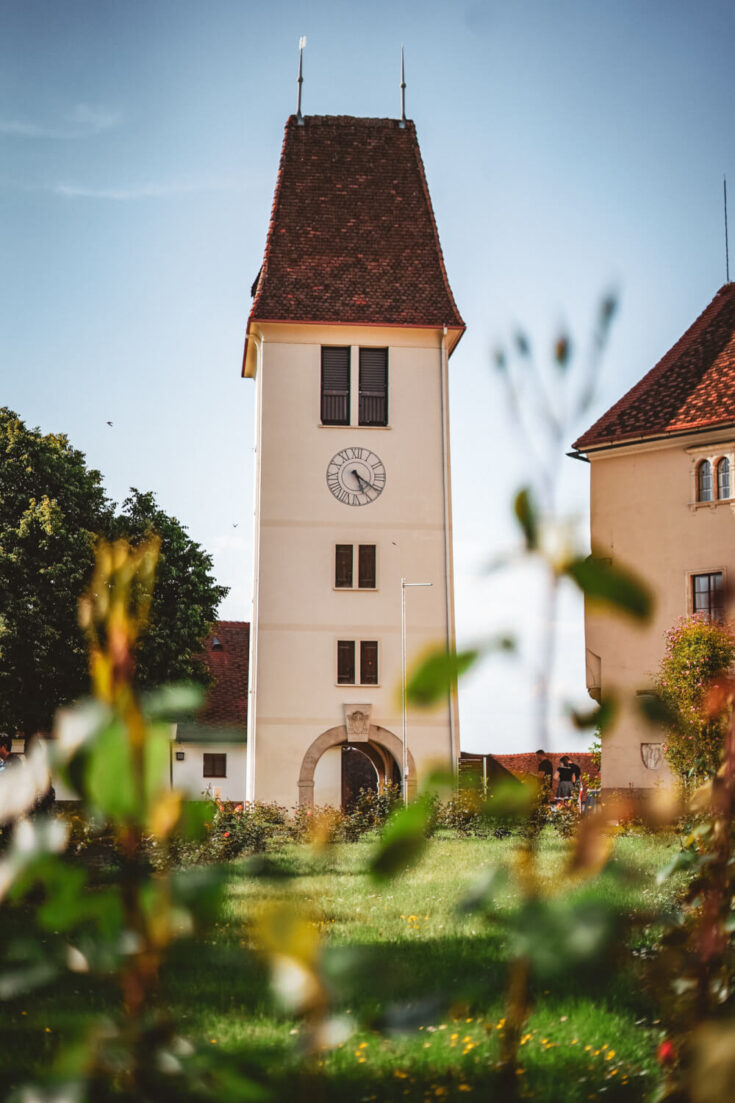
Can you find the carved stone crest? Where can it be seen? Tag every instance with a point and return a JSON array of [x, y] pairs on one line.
[[652, 755], [357, 722]]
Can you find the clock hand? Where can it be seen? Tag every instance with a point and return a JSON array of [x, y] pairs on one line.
[[360, 479]]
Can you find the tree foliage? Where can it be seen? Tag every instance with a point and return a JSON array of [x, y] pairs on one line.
[[53, 509], [699, 653]]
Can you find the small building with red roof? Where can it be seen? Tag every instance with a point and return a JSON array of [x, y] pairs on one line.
[[662, 503], [209, 751]]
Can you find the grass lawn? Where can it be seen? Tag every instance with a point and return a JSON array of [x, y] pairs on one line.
[[421, 983]]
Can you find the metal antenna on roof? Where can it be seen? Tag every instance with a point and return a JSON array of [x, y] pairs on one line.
[[727, 254], [402, 123], [299, 116]]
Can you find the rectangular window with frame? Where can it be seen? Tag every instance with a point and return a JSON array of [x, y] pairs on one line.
[[366, 566], [335, 390], [215, 765], [708, 595], [346, 662], [368, 662], [373, 405], [343, 567]]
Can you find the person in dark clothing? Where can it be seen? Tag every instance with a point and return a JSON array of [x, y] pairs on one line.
[[576, 772], [544, 769], [563, 776]]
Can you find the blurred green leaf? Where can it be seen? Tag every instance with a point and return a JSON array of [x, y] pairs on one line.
[[511, 799], [436, 676], [195, 815], [685, 859], [656, 711], [600, 717], [109, 771], [600, 580], [485, 890], [403, 840], [526, 515], [173, 702]]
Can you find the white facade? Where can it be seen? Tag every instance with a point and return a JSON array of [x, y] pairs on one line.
[[299, 615]]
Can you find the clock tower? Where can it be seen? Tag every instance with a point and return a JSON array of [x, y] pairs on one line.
[[348, 342]]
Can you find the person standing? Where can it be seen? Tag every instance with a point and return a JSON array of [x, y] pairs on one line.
[[544, 769], [563, 776]]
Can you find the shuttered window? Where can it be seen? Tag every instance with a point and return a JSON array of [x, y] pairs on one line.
[[335, 386], [366, 567], [346, 662], [343, 566], [373, 387], [215, 765], [369, 662]]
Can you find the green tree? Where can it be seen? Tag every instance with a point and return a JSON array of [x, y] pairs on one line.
[[185, 599], [699, 654], [53, 508]]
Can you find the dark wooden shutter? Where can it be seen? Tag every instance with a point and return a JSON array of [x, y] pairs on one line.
[[346, 662], [343, 566], [366, 567], [335, 386], [369, 662], [215, 765], [373, 387]]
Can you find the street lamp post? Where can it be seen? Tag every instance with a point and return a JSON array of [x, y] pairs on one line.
[[404, 587]]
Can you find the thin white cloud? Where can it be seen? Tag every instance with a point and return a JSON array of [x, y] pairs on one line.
[[82, 121], [143, 191]]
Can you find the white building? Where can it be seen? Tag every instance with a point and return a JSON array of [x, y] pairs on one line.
[[348, 342]]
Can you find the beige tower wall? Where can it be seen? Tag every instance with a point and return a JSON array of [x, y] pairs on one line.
[[644, 515], [298, 614]]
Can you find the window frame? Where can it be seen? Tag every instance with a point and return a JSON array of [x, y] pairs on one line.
[[219, 755], [357, 650], [718, 480], [715, 610], [359, 570], [325, 394], [367, 394]]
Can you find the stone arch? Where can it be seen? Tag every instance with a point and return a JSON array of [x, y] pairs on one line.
[[381, 746]]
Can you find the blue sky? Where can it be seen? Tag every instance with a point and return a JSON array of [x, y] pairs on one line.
[[569, 147]]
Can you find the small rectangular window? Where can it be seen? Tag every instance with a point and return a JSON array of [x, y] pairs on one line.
[[707, 595], [373, 387], [343, 566], [335, 386], [369, 662], [346, 662], [366, 567], [215, 765]]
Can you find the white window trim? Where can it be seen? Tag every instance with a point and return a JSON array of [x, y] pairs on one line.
[[713, 453], [690, 576]]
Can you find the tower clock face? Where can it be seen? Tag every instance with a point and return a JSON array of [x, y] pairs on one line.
[[355, 476]]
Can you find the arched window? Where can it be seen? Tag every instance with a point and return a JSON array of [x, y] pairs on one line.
[[723, 478], [704, 481]]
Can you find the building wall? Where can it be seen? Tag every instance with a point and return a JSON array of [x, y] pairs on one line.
[[644, 516], [188, 776], [298, 614]]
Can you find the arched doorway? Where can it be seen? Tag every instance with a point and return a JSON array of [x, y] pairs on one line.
[[382, 748]]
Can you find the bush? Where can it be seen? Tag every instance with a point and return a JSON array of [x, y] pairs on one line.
[[699, 653]]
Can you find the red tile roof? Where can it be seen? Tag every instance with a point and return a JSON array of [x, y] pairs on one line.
[[352, 236], [691, 388], [527, 763], [227, 700]]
